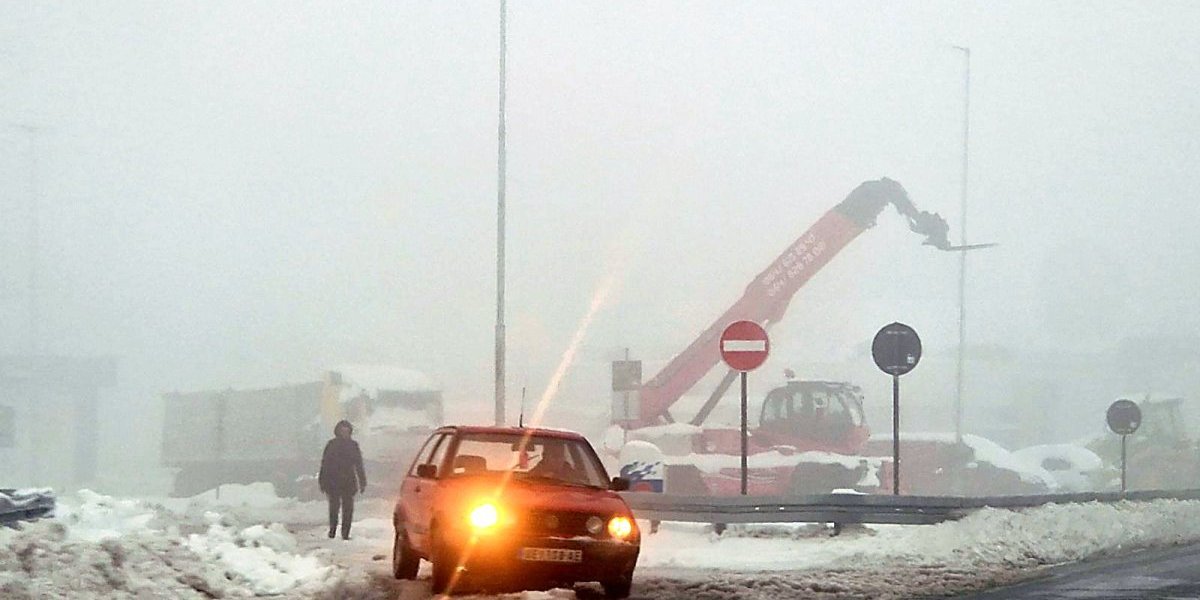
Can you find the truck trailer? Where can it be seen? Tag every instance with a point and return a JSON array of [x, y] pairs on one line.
[[277, 434]]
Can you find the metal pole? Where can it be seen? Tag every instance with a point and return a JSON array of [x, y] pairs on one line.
[[501, 176], [962, 256], [895, 435], [745, 435], [1123, 463]]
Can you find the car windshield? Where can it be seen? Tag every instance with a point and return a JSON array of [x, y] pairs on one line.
[[544, 458]]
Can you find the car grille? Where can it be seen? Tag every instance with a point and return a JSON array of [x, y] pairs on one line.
[[558, 523]]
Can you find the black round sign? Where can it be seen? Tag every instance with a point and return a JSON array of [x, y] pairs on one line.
[[896, 349], [1124, 417]]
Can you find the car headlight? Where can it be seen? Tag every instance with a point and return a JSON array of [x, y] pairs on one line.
[[484, 516], [620, 527], [595, 525]]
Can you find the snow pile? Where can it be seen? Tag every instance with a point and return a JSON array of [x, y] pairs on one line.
[[94, 517], [261, 557], [247, 503], [985, 548], [101, 547], [391, 419], [369, 380], [254, 495]]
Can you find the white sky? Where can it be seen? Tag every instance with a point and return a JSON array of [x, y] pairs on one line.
[[241, 194]]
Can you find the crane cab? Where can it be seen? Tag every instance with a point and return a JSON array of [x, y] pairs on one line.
[[813, 415]]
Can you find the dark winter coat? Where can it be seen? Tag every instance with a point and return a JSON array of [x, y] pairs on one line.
[[342, 468]]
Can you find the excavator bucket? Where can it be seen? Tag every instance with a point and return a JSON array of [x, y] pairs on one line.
[[966, 247]]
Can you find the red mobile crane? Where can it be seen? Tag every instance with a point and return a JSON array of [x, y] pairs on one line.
[[803, 415]]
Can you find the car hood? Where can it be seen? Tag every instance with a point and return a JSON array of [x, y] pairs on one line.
[[524, 495], [538, 496]]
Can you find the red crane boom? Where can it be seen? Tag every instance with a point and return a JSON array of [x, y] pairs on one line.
[[768, 295]]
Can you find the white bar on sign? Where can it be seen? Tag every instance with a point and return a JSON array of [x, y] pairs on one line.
[[744, 345]]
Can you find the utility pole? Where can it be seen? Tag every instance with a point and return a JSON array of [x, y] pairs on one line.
[[501, 176], [962, 256]]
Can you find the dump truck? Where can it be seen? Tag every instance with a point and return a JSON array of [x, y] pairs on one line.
[[277, 434]]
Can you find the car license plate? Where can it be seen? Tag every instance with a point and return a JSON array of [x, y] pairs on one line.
[[552, 555]]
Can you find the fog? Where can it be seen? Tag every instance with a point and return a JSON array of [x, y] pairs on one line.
[[241, 195]]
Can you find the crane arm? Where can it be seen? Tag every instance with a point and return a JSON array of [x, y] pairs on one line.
[[768, 295]]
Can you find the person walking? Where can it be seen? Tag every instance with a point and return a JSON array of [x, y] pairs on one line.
[[341, 476]]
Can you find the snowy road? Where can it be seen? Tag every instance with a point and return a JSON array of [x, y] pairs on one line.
[[250, 543], [1159, 573]]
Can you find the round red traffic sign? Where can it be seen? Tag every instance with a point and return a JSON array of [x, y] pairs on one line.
[[744, 345]]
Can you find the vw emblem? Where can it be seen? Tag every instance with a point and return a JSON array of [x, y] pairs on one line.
[[551, 522]]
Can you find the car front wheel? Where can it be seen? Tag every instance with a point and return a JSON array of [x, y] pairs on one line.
[[404, 560], [444, 566], [619, 588]]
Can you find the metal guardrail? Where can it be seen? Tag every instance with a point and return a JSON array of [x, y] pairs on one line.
[[18, 505], [855, 508]]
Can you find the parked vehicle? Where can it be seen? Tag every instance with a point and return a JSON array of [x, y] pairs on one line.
[[1075, 468], [940, 464], [505, 507], [276, 434]]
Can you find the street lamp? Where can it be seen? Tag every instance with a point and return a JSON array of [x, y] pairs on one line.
[[962, 257], [501, 176]]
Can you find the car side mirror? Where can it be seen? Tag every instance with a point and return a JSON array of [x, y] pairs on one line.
[[619, 484], [427, 471]]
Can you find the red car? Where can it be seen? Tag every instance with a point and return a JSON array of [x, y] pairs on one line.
[[513, 507]]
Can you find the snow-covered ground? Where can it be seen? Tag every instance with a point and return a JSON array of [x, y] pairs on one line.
[[249, 543]]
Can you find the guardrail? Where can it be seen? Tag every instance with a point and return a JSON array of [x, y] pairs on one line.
[[854, 508], [25, 505]]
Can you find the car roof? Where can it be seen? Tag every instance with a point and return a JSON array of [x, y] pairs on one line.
[[538, 431]]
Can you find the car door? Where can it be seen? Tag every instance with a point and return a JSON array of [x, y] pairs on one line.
[[418, 493]]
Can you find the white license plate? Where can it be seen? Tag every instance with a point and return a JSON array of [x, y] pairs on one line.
[[552, 555]]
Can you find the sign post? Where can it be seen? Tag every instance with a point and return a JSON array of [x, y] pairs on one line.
[[626, 381], [896, 350], [1124, 417], [744, 347]]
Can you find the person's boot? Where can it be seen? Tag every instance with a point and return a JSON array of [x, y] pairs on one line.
[[332, 532]]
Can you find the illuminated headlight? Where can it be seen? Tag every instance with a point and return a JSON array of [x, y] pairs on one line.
[[595, 525], [620, 527], [484, 516]]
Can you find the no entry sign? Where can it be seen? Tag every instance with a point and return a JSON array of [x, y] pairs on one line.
[[744, 346]]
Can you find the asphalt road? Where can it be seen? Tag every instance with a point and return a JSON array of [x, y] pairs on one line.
[[1164, 573]]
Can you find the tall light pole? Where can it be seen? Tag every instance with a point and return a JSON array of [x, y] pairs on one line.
[[962, 256], [501, 176]]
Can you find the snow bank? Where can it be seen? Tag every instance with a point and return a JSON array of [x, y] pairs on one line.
[[103, 547], [903, 561], [93, 517], [260, 557]]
